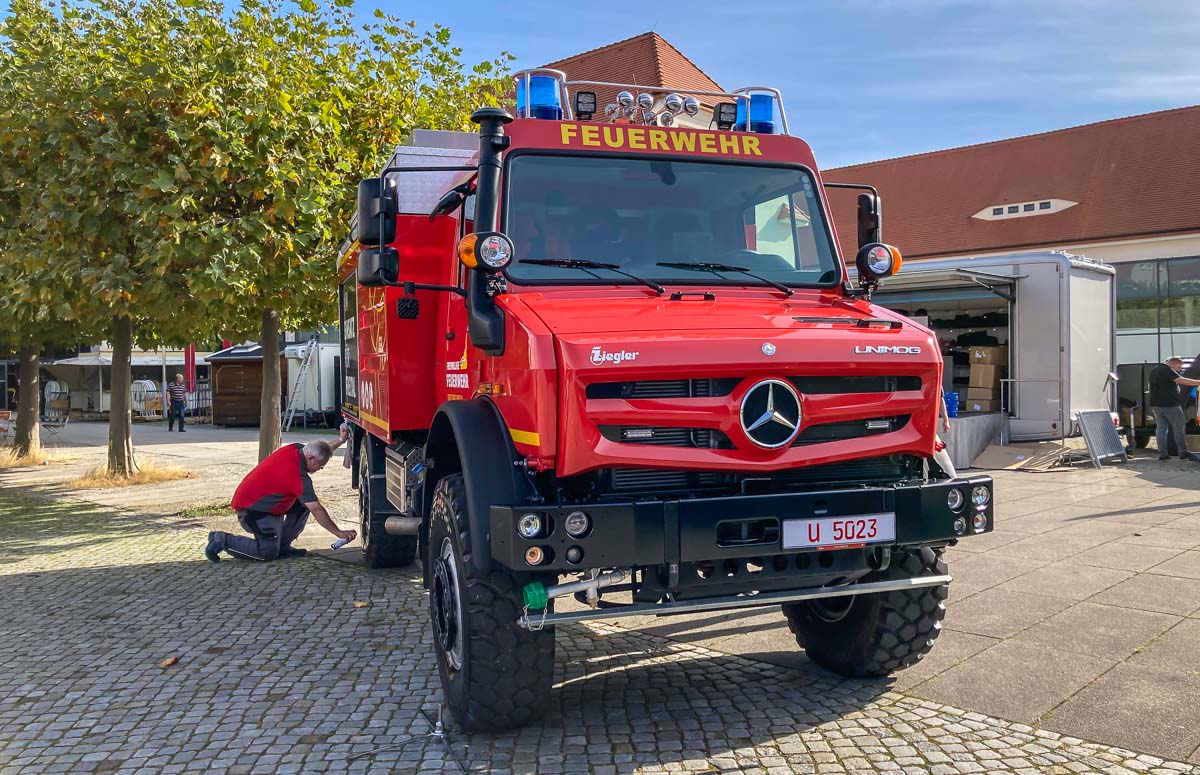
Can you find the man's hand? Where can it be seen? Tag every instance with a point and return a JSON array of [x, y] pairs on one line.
[[348, 535], [946, 424], [344, 432]]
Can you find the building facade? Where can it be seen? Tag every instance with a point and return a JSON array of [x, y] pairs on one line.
[[1119, 191]]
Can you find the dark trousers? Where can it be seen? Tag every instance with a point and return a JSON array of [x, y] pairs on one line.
[[270, 533], [176, 410]]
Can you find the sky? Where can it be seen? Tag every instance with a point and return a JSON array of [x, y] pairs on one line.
[[865, 80]]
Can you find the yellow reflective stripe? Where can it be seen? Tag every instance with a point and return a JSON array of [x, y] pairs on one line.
[[368, 416], [525, 437]]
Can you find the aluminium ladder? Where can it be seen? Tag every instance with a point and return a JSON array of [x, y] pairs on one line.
[[297, 393]]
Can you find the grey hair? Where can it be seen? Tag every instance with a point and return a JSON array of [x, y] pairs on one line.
[[319, 451]]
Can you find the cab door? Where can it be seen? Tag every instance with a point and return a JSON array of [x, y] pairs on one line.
[[456, 361]]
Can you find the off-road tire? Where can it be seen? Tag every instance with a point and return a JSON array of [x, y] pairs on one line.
[[879, 633], [379, 549], [506, 672]]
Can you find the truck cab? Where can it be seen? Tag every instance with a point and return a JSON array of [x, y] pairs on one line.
[[609, 367]]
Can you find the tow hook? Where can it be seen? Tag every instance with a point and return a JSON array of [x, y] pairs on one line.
[[881, 558], [537, 595]]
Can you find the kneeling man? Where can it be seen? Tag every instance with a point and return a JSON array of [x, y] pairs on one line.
[[273, 503]]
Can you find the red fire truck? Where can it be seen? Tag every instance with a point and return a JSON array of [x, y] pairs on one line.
[[607, 363]]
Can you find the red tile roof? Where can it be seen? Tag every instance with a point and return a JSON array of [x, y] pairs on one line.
[[1132, 177], [646, 59]]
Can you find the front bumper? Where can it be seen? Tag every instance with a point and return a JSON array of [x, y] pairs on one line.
[[670, 532]]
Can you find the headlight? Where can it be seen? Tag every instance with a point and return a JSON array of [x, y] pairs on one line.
[[954, 499], [980, 495], [577, 524], [530, 526]]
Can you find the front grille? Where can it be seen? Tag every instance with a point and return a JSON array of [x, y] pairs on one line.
[[723, 386], [840, 385], [854, 429], [877, 470], [664, 388], [699, 438], [647, 480], [867, 471]]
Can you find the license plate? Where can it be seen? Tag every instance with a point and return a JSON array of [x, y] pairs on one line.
[[839, 532]]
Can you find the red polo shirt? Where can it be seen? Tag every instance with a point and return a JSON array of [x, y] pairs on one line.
[[276, 483]]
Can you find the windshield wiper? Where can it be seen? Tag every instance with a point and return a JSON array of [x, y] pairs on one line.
[[704, 266], [579, 263]]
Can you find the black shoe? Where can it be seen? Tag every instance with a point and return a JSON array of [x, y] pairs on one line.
[[292, 551], [1164, 457], [212, 550], [181, 430]]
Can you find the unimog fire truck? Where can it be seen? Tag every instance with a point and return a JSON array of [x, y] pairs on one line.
[[600, 364]]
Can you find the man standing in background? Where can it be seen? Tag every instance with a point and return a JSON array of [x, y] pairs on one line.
[[1164, 399], [177, 397]]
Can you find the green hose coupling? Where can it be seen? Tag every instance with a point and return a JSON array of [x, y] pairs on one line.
[[535, 596]]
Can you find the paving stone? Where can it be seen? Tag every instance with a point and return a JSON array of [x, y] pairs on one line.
[[1000, 613], [106, 595], [1151, 592], [1067, 579], [1101, 631]]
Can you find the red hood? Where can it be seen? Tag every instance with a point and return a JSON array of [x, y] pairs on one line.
[[588, 310]]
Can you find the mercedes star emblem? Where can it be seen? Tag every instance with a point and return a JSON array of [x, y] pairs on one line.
[[770, 414], [768, 348]]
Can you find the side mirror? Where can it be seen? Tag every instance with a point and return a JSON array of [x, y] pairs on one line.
[[876, 262], [870, 220], [377, 207], [450, 201], [378, 266]]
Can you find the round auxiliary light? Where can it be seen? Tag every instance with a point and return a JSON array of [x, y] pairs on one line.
[[954, 499], [574, 555], [534, 555], [624, 99], [960, 527], [577, 524], [980, 495], [494, 251], [879, 260], [674, 103], [530, 526], [980, 522], [645, 101], [691, 106]]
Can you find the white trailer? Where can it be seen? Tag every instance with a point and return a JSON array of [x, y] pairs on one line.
[[1054, 312], [318, 396]]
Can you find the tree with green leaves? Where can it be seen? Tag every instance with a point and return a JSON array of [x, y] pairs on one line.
[[195, 165]]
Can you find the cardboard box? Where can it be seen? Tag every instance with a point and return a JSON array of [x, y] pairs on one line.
[[983, 394], [986, 376], [992, 356], [981, 405]]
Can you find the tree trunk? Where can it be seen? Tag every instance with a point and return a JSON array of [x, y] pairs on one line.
[[270, 411], [120, 420], [29, 430]]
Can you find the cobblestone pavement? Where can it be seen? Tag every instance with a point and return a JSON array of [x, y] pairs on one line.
[[279, 670]]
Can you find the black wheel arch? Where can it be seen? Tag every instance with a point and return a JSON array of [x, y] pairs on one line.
[[471, 437]]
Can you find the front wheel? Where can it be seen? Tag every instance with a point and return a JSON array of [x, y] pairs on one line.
[[495, 675], [875, 634]]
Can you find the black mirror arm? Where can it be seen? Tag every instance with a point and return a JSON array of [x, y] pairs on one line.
[[410, 288]]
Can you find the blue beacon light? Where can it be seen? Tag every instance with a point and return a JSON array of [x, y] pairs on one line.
[[545, 102], [762, 114]]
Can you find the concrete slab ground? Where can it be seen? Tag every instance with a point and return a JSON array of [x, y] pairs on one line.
[[1078, 616]]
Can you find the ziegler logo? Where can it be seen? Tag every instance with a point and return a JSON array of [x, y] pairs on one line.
[[601, 356], [883, 349]]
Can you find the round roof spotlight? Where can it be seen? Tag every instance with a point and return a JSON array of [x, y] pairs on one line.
[[674, 103], [624, 99], [691, 106], [645, 101]]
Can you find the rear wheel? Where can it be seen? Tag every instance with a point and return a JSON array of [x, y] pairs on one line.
[[876, 634], [495, 675], [380, 550]]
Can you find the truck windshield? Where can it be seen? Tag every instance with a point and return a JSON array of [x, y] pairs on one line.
[[640, 214]]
